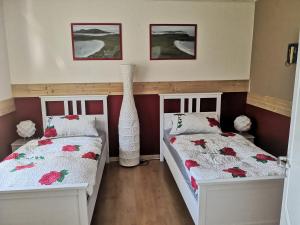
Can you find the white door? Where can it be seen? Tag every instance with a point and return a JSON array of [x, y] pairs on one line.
[[290, 213]]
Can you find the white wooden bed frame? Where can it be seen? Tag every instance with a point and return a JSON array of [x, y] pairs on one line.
[[60, 205], [236, 201]]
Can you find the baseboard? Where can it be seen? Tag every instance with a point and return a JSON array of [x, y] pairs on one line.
[[143, 157]]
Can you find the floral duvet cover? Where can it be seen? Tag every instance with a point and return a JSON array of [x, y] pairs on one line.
[[52, 162], [221, 156]]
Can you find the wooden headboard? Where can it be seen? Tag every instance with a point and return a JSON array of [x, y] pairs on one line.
[[165, 118], [78, 102]]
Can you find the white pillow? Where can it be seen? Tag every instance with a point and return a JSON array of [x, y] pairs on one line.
[[192, 123], [70, 126]]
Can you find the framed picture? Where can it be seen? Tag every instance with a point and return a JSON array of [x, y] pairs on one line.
[[97, 41], [173, 41]]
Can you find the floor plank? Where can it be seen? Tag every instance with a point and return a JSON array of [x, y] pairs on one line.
[[144, 195]]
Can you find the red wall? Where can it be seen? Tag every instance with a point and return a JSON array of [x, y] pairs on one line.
[[7, 133], [233, 104], [271, 130]]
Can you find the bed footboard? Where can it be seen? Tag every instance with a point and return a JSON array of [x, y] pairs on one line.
[[45, 206], [252, 202]]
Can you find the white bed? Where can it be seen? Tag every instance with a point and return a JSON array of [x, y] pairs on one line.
[[233, 201], [67, 204]]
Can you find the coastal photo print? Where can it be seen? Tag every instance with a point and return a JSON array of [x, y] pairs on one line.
[[173, 41], [97, 41]]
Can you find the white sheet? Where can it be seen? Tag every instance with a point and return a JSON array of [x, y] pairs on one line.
[[52, 162], [221, 156]]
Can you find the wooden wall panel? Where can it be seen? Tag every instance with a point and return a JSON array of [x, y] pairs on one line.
[[272, 104], [35, 90], [7, 106]]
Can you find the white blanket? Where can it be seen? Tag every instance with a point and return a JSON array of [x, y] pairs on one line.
[[51, 162], [221, 156]]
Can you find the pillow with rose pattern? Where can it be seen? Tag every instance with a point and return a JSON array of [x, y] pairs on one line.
[[70, 126], [193, 123]]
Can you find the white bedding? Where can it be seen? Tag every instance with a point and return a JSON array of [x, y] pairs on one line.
[[52, 162], [221, 156]]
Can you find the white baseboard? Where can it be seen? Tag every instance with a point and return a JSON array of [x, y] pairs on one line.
[[143, 157]]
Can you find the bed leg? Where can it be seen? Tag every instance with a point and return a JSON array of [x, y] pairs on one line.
[[162, 158]]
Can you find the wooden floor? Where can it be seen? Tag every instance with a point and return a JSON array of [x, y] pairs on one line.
[[144, 195]]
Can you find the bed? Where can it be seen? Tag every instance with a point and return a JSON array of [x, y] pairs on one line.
[[72, 200], [227, 200]]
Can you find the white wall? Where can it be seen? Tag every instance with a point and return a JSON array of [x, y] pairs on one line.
[[39, 39], [5, 87]]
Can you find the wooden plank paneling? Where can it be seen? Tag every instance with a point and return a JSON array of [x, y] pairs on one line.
[[34, 90], [7, 106], [272, 104]]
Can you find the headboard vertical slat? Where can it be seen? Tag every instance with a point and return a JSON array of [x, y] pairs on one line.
[[74, 106], [219, 107], [182, 105], [44, 111], [66, 107], [190, 105], [83, 110], [198, 104]]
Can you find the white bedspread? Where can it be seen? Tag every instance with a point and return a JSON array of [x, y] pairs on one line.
[[221, 156], [52, 162]]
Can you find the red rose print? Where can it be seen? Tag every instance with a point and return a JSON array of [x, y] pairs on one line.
[[15, 155], [213, 122], [194, 183], [71, 148], [71, 117], [172, 140], [201, 142], [45, 142], [53, 176], [23, 167], [228, 134], [191, 163], [50, 132], [90, 155], [263, 158], [236, 172], [228, 151]]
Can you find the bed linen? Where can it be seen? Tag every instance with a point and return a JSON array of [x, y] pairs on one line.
[[222, 156], [52, 162]]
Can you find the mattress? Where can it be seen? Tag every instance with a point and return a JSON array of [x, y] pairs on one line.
[[53, 162], [178, 160], [204, 157]]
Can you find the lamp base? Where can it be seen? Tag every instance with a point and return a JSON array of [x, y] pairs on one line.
[[129, 158]]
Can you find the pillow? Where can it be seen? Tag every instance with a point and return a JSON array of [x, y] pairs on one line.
[[70, 126], [192, 123]]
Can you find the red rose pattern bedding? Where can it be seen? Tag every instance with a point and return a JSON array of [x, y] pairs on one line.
[[221, 156], [52, 162]]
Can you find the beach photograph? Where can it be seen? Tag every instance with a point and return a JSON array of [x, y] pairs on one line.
[[173, 41], [97, 41]]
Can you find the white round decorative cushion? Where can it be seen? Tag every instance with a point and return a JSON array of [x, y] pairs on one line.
[[242, 123]]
